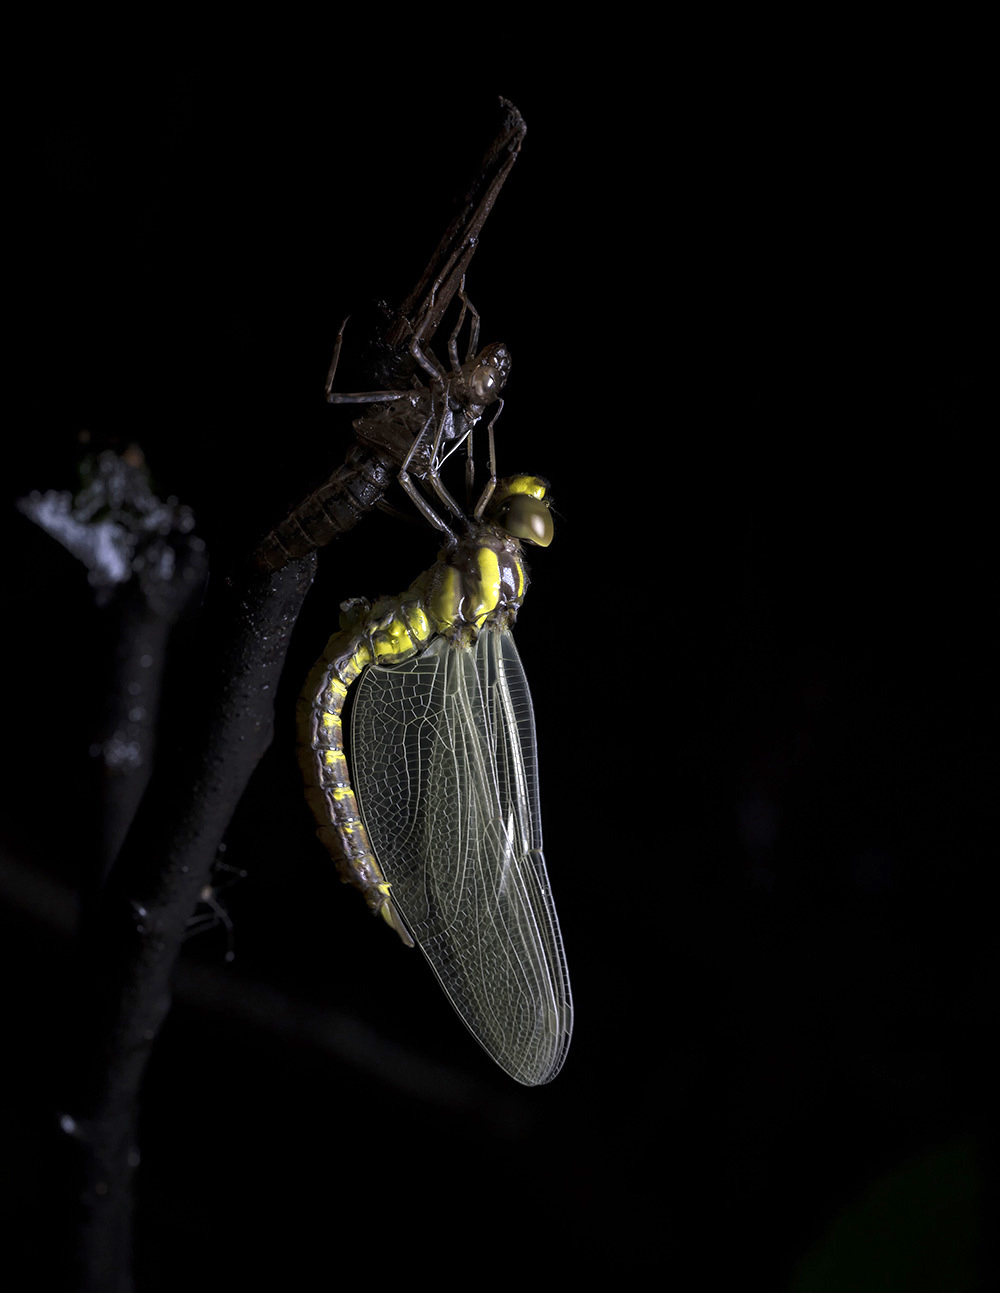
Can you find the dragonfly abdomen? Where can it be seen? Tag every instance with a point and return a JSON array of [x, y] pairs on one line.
[[337, 506], [389, 637]]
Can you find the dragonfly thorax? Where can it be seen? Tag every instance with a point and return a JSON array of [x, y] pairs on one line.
[[480, 581]]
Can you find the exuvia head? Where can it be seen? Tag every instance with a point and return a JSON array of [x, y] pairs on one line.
[[520, 506], [492, 366]]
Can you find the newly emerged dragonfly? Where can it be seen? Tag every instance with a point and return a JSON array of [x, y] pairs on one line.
[[436, 818], [450, 401]]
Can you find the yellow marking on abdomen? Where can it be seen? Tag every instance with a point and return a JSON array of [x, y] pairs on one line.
[[324, 765]]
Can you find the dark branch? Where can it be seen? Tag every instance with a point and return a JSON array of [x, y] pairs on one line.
[[209, 748], [131, 941]]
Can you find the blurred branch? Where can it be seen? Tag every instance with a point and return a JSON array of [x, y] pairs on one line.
[[146, 565]]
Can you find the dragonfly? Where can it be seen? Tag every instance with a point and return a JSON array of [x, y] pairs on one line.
[[450, 401], [435, 817]]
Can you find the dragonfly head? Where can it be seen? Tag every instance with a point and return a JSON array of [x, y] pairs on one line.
[[492, 365], [520, 506]]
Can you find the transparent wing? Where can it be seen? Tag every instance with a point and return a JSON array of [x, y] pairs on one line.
[[444, 767]]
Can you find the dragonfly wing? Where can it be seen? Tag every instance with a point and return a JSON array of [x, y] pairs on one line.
[[444, 766]]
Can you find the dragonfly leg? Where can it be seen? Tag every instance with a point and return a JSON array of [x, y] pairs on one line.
[[438, 485], [396, 513], [336, 357], [491, 484], [427, 359], [446, 420], [357, 397], [416, 498], [474, 329], [453, 339], [470, 468]]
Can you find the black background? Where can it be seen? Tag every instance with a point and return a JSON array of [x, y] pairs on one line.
[[742, 300]]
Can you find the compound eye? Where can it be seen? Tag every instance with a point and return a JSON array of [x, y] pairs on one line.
[[485, 383], [526, 518]]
